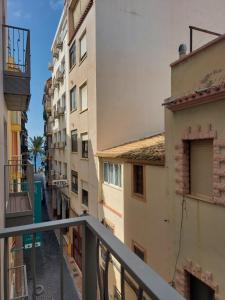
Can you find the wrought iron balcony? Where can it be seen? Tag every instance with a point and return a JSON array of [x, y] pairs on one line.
[[19, 193], [95, 282], [16, 58]]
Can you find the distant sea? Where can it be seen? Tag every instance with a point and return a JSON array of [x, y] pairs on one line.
[[38, 162]]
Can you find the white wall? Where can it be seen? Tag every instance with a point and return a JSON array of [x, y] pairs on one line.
[[136, 42]]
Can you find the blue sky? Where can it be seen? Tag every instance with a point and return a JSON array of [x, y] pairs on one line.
[[41, 17]]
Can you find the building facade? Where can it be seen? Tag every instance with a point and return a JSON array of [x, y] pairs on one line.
[[118, 73], [195, 162]]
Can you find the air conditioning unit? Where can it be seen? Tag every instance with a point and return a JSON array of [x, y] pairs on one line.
[[55, 53], [50, 66], [61, 110], [59, 43]]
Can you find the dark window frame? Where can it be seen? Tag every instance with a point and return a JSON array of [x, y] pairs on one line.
[[73, 90], [84, 147], [84, 199], [74, 143], [72, 55], [138, 180], [74, 185]]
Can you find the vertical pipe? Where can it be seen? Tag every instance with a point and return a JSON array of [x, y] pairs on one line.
[[33, 262], [191, 39], [6, 268], [61, 263]]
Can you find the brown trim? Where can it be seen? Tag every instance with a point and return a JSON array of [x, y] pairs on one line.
[[195, 100], [111, 209], [91, 2]]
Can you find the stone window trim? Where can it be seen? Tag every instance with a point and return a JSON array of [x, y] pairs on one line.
[[182, 162], [182, 281]]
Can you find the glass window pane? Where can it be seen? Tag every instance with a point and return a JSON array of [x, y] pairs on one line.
[[84, 99]]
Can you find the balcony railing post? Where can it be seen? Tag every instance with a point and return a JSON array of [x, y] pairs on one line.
[[30, 183], [61, 264], [34, 264], [89, 264], [6, 269]]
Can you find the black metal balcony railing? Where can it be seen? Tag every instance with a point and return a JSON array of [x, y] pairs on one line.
[[149, 283], [16, 59]]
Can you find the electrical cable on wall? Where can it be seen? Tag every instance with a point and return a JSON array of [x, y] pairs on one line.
[[180, 237]]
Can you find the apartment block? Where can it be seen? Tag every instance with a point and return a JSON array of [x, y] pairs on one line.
[[56, 99], [195, 160]]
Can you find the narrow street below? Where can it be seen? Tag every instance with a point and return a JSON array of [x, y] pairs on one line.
[[48, 268]]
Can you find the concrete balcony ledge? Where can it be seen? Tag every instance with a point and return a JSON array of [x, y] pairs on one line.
[[16, 79], [18, 209]]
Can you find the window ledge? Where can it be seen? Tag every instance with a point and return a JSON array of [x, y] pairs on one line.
[[139, 197], [82, 111], [75, 193], [83, 59], [84, 206], [74, 152], [113, 186], [201, 198], [84, 158], [72, 111], [72, 68]]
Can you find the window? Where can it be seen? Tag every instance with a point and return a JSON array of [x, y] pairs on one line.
[[199, 290], [201, 167], [64, 100], [73, 102], [74, 141], [74, 182], [138, 179], [65, 170], [59, 136], [112, 173], [139, 252], [85, 197], [83, 97], [64, 136], [84, 141], [83, 46], [72, 55]]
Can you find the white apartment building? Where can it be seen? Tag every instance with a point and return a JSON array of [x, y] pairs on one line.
[[59, 119]]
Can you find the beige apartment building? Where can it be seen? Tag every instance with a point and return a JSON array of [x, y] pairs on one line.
[[118, 75], [195, 164]]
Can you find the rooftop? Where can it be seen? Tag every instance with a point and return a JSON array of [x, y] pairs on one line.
[[149, 150]]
